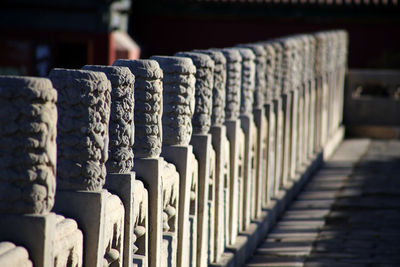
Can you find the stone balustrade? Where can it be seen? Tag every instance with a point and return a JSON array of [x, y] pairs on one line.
[[181, 160]]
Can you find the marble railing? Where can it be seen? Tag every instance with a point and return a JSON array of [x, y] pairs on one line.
[[168, 161]]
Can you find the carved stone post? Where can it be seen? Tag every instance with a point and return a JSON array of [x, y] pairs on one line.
[[250, 134], [82, 150], [120, 177], [179, 86], [271, 119], [313, 97], [260, 121], [220, 144], [28, 175], [160, 177], [277, 104], [202, 149], [236, 138]]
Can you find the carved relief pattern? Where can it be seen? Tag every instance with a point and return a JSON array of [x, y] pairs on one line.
[[270, 72], [68, 243], [84, 113], [178, 95], [203, 91], [233, 83], [218, 92], [148, 106], [278, 69], [140, 211], [170, 178], [28, 118], [121, 120], [247, 81]]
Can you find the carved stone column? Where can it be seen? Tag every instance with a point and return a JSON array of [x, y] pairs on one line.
[[236, 138], [28, 175], [159, 177], [178, 107], [202, 149], [313, 95], [271, 119], [120, 177], [82, 151], [250, 132], [260, 120], [221, 146]]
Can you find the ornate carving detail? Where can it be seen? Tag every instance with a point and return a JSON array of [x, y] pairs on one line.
[[170, 178], [140, 210], [218, 92], [233, 82], [248, 80], [260, 71], [270, 72], [11, 255], [148, 107], [84, 108], [122, 128], [28, 119], [203, 94], [179, 84], [68, 243]]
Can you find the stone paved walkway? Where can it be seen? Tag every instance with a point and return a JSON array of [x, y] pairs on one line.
[[347, 215]]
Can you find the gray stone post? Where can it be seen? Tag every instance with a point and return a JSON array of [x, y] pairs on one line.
[[313, 97], [160, 177], [120, 177], [236, 138], [221, 146], [202, 149], [271, 122], [178, 107], [28, 175], [260, 121], [247, 191], [82, 150]]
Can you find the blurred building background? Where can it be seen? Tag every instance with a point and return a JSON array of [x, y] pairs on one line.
[[36, 36]]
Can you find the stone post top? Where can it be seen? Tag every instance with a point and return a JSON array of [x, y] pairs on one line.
[[217, 56], [200, 60], [28, 87], [144, 68], [246, 53], [70, 76], [231, 54], [257, 49], [171, 64], [116, 74]]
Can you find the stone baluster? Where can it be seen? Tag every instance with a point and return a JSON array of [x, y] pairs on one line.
[[202, 149], [178, 107], [261, 126], [271, 119], [342, 67], [322, 89], [236, 139], [313, 96], [28, 174], [250, 137], [82, 150], [159, 177], [120, 177], [220, 145]]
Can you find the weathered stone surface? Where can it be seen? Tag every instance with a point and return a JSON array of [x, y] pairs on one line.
[[121, 129], [203, 91], [233, 82], [218, 92], [178, 94], [28, 118], [247, 81], [270, 72], [84, 112], [260, 73], [11, 255], [148, 107]]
